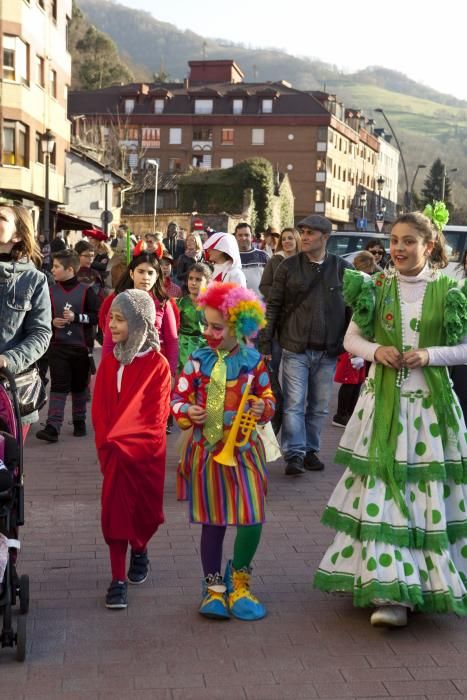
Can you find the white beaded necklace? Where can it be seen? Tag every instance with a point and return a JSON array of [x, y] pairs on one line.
[[411, 342]]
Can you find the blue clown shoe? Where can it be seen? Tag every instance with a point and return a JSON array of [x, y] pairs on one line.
[[214, 603], [242, 603]]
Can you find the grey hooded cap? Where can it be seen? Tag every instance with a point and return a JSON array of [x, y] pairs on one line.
[[139, 311]]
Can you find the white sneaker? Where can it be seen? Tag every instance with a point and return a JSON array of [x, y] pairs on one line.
[[389, 616]]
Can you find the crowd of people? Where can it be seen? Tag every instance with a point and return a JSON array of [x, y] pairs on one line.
[[200, 327]]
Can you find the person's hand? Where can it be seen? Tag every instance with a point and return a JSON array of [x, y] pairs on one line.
[[257, 407], [197, 415], [69, 315], [268, 358], [389, 355], [3, 361], [416, 358], [59, 322]]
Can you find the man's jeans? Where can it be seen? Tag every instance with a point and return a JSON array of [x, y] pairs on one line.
[[307, 385]]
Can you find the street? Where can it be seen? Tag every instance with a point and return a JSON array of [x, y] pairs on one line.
[[309, 646]]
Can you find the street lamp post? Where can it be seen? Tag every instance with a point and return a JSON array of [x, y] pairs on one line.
[[407, 199], [381, 208], [47, 147], [419, 167], [106, 176], [380, 184], [363, 201], [155, 164], [443, 181]]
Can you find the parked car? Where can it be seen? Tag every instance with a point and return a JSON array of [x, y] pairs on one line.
[[348, 243]]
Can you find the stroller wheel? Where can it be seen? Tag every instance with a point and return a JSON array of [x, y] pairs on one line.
[[24, 594], [21, 639]]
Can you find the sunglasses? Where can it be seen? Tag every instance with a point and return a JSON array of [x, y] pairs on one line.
[[376, 252]]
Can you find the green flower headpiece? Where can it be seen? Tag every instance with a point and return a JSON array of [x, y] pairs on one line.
[[438, 214]]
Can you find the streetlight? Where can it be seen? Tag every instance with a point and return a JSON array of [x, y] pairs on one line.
[[106, 176], [155, 164], [363, 206], [443, 181], [380, 184], [419, 167], [47, 147], [407, 201]]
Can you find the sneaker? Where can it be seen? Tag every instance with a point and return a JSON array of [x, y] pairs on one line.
[[214, 601], [389, 616], [139, 567], [79, 428], [116, 598], [49, 433], [294, 466], [312, 463], [242, 603], [339, 422]]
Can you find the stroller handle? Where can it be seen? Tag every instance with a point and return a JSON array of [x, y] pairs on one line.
[[10, 378]]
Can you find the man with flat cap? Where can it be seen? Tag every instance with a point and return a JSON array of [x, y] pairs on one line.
[[308, 311]]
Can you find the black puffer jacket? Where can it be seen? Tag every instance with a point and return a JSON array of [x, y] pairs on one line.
[[291, 318]]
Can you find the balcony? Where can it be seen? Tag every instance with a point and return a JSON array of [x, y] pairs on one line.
[[201, 145]]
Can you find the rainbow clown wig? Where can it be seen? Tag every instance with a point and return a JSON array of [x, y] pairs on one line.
[[240, 307]]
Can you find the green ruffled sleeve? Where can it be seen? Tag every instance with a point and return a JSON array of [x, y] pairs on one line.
[[455, 314], [359, 294]]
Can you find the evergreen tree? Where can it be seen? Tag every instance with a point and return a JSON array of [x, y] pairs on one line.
[[100, 66], [433, 187]]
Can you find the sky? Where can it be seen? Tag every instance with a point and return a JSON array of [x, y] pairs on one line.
[[424, 39]]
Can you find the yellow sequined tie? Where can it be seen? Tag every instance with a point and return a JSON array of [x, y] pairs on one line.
[[214, 426]]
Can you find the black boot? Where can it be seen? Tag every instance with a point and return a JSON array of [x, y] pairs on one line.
[[79, 428], [49, 433]]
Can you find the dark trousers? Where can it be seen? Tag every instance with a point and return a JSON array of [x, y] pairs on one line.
[[347, 399], [69, 373]]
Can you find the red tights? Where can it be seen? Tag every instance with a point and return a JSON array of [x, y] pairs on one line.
[[118, 550]]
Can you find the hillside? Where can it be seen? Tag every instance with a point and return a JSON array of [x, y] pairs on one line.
[[429, 124]]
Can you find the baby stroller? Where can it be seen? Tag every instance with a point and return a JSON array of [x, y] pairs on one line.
[[12, 587]]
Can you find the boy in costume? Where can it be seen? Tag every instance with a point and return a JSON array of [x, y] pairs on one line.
[[206, 398], [74, 310]]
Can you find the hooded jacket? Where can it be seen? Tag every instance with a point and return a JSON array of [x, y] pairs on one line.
[[230, 271], [25, 312]]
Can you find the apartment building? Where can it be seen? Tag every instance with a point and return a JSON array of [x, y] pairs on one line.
[[36, 73], [214, 119]]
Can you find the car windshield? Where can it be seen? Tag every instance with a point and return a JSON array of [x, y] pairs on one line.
[[342, 244]]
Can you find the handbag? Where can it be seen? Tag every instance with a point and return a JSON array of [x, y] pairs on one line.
[[30, 391]]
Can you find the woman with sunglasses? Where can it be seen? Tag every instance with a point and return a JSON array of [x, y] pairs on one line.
[[376, 248]]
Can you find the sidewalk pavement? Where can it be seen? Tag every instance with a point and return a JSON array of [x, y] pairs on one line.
[[310, 645]]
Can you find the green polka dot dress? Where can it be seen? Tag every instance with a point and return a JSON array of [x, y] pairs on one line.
[[378, 554]]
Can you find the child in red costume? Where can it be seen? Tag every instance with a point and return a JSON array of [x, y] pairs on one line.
[[129, 413]]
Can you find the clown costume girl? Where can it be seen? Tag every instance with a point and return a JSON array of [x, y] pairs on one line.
[[400, 506], [206, 398]]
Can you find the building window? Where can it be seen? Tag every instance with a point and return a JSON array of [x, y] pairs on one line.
[[53, 9], [40, 71], [175, 136], [322, 133], [15, 143], [53, 83], [129, 106], [132, 133], [227, 137], [226, 163], [203, 106], [158, 106], [150, 137], [266, 106], [39, 153], [203, 161], [257, 137], [237, 106], [200, 134], [15, 59], [41, 3], [175, 165]]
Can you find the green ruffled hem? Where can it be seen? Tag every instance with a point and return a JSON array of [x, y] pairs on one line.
[[395, 591], [398, 536], [403, 473]]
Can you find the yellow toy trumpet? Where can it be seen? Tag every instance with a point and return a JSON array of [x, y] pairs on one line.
[[242, 427]]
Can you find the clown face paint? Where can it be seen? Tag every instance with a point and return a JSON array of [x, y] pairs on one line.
[[216, 330]]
